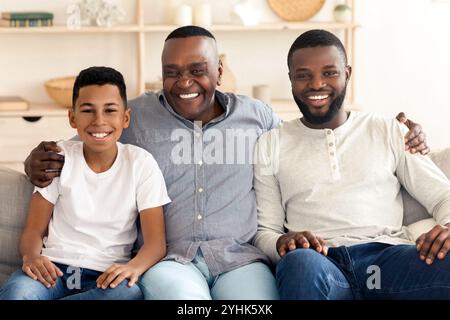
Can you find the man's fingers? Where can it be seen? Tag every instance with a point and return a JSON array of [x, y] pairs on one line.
[[292, 245], [313, 241], [437, 245], [302, 241], [444, 249], [425, 151], [428, 241], [49, 146], [420, 240], [401, 117]]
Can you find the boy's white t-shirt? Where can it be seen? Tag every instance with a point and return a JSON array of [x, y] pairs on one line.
[[94, 218]]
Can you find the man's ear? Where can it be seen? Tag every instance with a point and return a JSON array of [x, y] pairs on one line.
[[220, 70], [127, 118], [348, 73], [71, 115]]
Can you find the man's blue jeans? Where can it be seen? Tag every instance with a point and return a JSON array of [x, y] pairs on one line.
[[21, 287], [365, 271]]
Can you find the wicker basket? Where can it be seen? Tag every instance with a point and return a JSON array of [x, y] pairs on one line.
[[60, 90], [296, 10]]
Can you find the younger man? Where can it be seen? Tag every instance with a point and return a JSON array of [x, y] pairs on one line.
[[90, 211], [328, 192]]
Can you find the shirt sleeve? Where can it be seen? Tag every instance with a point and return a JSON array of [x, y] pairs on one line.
[[50, 192], [151, 189], [423, 180], [273, 120], [271, 213]]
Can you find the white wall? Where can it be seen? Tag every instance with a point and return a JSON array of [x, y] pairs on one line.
[[403, 62], [402, 50]]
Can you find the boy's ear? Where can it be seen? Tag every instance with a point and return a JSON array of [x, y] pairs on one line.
[[71, 115], [126, 118]]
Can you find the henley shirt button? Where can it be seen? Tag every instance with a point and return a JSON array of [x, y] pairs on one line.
[[200, 190], [200, 162], [199, 217], [331, 153], [197, 135], [331, 144], [328, 131]]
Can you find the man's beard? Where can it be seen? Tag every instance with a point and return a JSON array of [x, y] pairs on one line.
[[335, 106]]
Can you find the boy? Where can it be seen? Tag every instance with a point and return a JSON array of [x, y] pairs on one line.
[[90, 211]]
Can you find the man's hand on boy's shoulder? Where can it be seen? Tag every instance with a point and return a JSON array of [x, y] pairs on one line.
[[44, 163], [415, 138]]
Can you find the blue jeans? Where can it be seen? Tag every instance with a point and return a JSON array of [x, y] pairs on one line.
[[365, 271], [172, 280], [21, 287]]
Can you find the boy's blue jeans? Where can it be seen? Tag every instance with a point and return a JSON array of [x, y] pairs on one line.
[[365, 271], [75, 284]]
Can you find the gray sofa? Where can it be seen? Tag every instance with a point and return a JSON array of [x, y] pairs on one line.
[[15, 192]]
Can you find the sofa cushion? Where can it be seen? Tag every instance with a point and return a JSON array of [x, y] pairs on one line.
[[15, 193]]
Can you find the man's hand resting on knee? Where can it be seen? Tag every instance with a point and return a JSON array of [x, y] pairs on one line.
[[297, 240]]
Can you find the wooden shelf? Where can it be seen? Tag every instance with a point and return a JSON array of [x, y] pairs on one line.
[[37, 110], [168, 28], [64, 29]]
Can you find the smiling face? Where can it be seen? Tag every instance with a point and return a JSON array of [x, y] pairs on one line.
[[319, 79], [99, 117], [191, 70]]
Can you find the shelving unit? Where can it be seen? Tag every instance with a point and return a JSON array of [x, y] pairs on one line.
[[139, 29]]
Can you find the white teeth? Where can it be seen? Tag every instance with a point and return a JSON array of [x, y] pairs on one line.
[[318, 97], [100, 135], [189, 95]]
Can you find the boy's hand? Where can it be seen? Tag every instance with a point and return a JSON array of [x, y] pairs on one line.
[[305, 239], [42, 269], [415, 140], [115, 274]]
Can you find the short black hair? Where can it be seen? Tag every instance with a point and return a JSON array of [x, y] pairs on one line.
[[316, 38], [189, 31], [99, 76]]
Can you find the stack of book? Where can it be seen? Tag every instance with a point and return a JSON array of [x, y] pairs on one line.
[[26, 19], [9, 103]]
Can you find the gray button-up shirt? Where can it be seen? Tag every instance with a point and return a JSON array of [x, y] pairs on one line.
[[209, 176]]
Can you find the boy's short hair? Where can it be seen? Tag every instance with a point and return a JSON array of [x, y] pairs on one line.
[[99, 76]]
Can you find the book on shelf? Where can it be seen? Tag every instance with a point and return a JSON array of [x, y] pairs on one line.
[[26, 23], [8, 103], [27, 15]]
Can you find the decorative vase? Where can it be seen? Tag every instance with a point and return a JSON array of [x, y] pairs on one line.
[[342, 13], [228, 80]]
